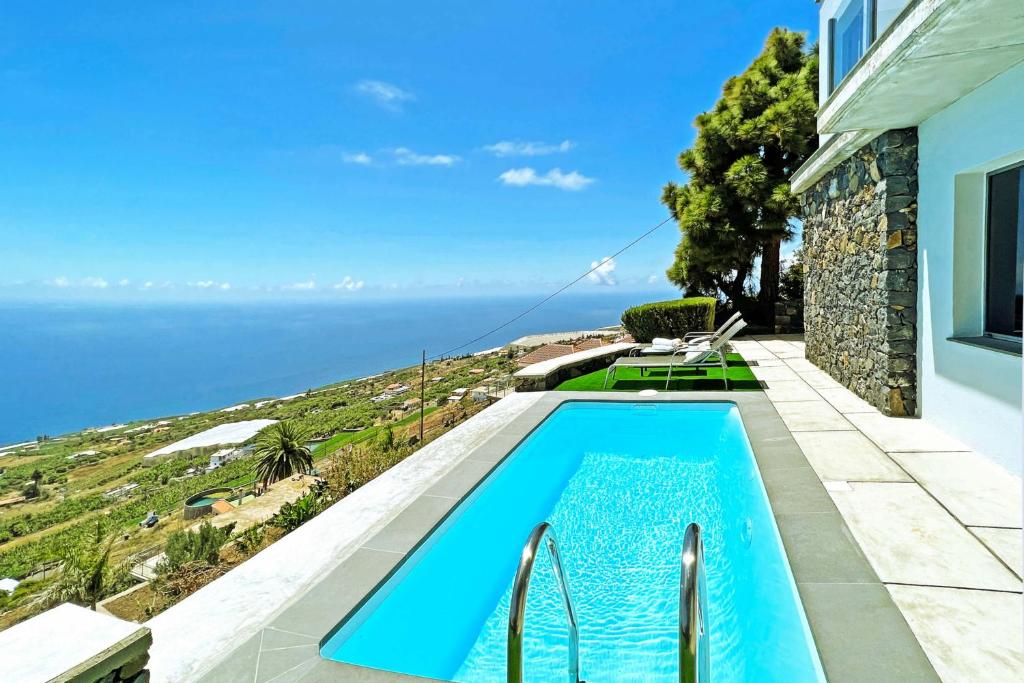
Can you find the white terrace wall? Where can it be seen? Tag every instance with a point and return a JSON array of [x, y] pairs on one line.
[[971, 393]]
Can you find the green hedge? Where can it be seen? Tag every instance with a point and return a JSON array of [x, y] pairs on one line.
[[670, 318]]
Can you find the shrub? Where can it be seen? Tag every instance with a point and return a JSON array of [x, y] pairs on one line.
[[203, 546], [293, 515], [670, 318], [251, 540], [348, 471]]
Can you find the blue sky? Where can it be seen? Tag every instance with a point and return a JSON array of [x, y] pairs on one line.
[[322, 149]]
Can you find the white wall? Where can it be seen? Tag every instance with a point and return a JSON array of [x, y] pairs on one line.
[[971, 393]]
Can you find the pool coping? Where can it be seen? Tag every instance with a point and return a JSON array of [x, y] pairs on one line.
[[859, 632]]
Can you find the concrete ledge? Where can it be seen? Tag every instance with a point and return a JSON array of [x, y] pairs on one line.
[[73, 644], [550, 373]]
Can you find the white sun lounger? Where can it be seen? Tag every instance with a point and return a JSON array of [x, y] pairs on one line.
[[691, 341], [714, 354]]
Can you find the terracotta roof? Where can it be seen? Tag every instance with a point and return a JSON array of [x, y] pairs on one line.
[[546, 352], [588, 344]]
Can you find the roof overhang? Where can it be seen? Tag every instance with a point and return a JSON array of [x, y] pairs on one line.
[[934, 53]]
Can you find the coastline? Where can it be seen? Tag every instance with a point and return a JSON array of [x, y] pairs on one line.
[[79, 367]]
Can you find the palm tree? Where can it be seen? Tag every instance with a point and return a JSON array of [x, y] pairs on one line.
[[282, 451], [87, 572]]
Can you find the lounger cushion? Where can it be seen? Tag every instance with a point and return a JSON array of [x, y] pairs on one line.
[[662, 341]]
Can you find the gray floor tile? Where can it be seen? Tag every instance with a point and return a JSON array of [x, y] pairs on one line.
[[274, 663], [1005, 544], [977, 491], [968, 635], [237, 667], [903, 434], [811, 416], [819, 379], [861, 635], [796, 490], [322, 607], [778, 453], [845, 401], [462, 479], [790, 390], [411, 525], [911, 539], [822, 550], [848, 456], [275, 639]]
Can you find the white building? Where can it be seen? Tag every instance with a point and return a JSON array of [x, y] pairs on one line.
[[224, 456], [922, 127]]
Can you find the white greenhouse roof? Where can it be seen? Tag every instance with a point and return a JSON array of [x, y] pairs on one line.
[[231, 433]]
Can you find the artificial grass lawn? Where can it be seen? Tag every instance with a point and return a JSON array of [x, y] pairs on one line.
[[683, 379]]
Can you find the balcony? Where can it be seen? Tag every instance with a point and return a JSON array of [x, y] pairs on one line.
[[932, 54], [935, 52]]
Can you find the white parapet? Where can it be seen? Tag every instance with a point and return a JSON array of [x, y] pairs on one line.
[[72, 643]]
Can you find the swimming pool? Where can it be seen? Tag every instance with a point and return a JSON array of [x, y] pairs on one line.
[[619, 482]]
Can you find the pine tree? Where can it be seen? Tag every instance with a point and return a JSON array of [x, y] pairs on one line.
[[737, 204]]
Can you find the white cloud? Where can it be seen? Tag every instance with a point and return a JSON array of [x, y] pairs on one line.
[[361, 158], [387, 95], [95, 282], [206, 284], [521, 177], [61, 281], [511, 148], [407, 157], [123, 282], [349, 284], [148, 284], [653, 279], [301, 286], [604, 272]]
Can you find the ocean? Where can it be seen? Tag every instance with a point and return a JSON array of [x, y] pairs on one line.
[[65, 367]]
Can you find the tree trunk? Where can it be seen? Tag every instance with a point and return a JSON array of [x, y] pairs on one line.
[[769, 293]]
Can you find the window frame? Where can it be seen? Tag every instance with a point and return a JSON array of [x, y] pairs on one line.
[[986, 234]]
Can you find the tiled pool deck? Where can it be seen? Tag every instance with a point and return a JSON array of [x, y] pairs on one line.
[[940, 525], [840, 477]]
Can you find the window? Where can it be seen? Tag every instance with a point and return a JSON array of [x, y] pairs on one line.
[[846, 34], [1004, 254], [852, 27]]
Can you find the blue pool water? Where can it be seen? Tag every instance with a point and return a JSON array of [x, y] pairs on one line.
[[619, 482]]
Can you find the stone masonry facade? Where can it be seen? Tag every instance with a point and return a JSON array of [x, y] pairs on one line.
[[860, 280]]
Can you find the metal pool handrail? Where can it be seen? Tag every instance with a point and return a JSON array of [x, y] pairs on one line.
[[694, 650], [517, 606]]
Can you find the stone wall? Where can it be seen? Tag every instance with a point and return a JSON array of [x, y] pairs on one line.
[[789, 317], [860, 282]]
